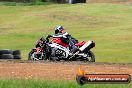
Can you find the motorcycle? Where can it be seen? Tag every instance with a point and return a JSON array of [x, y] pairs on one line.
[[58, 49]]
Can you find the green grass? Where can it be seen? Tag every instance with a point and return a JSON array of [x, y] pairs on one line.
[[54, 84], [109, 25], [24, 4]]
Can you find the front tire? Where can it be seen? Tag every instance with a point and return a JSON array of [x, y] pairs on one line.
[[31, 55], [34, 56]]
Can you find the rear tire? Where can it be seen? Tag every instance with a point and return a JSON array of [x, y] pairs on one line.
[[91, 57]]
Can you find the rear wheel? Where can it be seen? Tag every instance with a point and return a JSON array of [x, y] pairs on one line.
[[91, 56]]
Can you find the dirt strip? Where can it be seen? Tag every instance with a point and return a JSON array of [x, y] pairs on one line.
[[57, 70]]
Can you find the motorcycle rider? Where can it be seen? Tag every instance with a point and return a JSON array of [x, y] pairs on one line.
[[59, 32]]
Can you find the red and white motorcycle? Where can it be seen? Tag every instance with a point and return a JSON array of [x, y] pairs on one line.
[[58, 49]]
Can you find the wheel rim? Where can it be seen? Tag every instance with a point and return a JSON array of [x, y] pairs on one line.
[[33, 56]]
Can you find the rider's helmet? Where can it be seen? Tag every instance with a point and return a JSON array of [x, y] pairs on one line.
[[59, 29]]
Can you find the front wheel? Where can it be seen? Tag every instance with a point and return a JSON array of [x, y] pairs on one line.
[[34, 56], [91, 56]]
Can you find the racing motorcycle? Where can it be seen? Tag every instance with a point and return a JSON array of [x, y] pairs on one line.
[[58, 49]]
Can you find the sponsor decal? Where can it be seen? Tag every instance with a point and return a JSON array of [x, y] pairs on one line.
[[84, 78]]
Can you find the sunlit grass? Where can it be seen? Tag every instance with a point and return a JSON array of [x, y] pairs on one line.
[[109, 25], [54, 84]]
